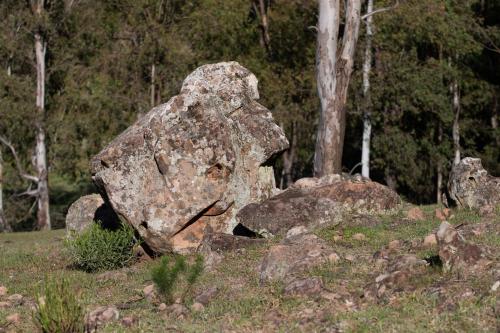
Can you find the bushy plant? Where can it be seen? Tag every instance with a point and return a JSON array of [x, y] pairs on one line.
[[166, 275], [58, 309], [98, 249]]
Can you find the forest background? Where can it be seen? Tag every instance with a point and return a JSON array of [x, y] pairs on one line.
[[110, 61]]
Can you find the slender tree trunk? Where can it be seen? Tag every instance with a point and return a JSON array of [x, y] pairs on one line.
[[333, 75], [261, 11], [367, 123], [289, 158], [456, 127], [43, 216], [439, 170], [153, 85], [4, 227], [494, 119]]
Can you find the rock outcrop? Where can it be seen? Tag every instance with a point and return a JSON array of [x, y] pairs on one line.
[[470, 185], [88, 209], [194, 161], [314, 202]]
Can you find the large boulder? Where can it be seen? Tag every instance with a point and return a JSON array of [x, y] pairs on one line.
[[194, 161], [315, 202], [470, 185], [89, 208]]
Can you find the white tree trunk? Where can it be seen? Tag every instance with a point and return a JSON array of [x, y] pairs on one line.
[[439, 168], [367, 123], [43, 216], [456, 126], [333, 77]]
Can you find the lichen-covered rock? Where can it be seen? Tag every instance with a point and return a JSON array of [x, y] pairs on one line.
[[470, 185], [313, 202], [455, 252], [295, 255], [194, 161], [86, 210]]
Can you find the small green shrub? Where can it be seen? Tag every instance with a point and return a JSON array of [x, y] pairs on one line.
[[98, 249], [166, 275], [58, 309]]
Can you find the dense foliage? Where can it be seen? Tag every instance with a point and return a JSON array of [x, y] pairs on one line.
[[105, 57], [99, 249]]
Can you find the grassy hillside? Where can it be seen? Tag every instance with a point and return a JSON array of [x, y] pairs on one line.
[[435, 302]]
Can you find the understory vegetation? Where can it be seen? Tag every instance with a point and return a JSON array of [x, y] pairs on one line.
[[58, 307], [98, 249], [167, 276]]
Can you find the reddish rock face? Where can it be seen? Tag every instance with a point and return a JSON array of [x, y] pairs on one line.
[[470, 186], [194, 161], [313, 202]]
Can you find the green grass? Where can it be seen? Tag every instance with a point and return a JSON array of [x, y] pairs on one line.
[[243, 305]]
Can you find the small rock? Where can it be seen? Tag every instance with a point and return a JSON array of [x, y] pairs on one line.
[[129, 321], [359, 237], [177, 310], [430, 240], [15, 299], [304, 287], [495, 286], [206, 296], [442, 214], [162, 307], [149, 292], [14, 318], [197, 307], [3, 290], [333, 258], [337, 238], [100, 316], [486, 210], [394, 245], [349, 257], [415, 214], [4, 305]]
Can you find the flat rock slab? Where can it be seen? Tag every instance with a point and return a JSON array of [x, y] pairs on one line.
[[194, 161], [314, 202]]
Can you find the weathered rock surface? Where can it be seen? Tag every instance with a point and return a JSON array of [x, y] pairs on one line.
[[89, 208], [99, 317], [194, 161], [471, 186], [295, 255], [455, 252], [226, 242], [314, 202], [400, 271]]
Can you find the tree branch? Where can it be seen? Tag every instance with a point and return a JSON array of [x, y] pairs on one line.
[[380, 10], [18, 163]]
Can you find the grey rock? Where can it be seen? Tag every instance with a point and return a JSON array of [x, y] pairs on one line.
[[194, 161], [89, 208], [470, 185]]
